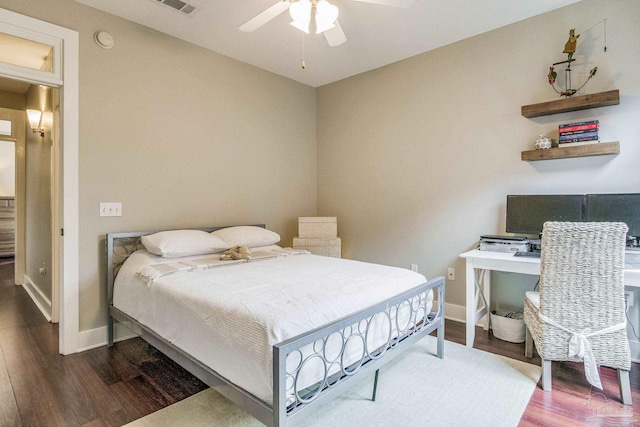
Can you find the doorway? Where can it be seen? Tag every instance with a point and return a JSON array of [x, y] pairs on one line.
[[63, 74], [26, 171]]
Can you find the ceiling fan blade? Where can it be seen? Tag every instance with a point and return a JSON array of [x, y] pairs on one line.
[[394, 3], [335, 36], [266, 16]]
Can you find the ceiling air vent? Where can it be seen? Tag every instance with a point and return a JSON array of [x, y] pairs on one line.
[[180, 6]]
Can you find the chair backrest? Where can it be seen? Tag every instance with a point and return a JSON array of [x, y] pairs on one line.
[[582, 272]]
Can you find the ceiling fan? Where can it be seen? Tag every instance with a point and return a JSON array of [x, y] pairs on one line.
[[325, 15]]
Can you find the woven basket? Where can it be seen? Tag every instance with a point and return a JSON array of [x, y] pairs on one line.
[[506, 328]]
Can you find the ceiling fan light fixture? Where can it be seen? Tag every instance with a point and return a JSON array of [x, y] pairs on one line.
[[300, 12], [326, 16], [302, 25]]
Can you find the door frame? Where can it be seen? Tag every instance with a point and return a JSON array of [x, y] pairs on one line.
[[65, 44]]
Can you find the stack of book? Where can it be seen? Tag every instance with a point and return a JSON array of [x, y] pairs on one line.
[[581, 133]]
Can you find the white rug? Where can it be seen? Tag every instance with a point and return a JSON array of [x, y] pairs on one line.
[[467, 387]]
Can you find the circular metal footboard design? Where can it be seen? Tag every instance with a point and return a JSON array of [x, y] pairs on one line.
[[328, 360]]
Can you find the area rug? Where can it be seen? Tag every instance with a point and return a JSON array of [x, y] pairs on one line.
[[467, 387]]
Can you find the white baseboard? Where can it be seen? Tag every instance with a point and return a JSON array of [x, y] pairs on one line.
[[455, 312], [94, 338], [39, 298]]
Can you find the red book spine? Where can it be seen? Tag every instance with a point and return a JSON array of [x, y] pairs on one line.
[[581, 127]]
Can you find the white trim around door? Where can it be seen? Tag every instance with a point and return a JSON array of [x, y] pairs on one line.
[[64, 76]]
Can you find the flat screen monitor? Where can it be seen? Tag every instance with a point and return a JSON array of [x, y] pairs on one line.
[[527, 213], [615, 208]]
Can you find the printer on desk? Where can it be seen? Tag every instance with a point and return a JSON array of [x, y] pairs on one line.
[[505, 243]]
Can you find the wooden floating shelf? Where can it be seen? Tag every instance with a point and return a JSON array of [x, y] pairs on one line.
[[594, 100], [600, 149]]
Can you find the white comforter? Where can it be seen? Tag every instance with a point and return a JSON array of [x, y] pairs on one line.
[[229, 318]]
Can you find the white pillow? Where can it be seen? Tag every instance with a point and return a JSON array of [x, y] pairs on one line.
[[247, 235], [178, 243]]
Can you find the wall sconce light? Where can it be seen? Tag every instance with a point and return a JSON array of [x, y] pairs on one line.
[[35, 121]]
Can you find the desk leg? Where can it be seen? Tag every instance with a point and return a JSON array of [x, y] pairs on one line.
[[486, 284], [471, 309]]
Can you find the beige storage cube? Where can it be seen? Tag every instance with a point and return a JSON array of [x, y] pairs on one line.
[[317, 227], [325, 247]]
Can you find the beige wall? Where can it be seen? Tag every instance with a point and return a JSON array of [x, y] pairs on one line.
[[416, 158], [181, 136], [38, 196]]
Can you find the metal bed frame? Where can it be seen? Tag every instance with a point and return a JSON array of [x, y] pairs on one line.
[[291, 405]]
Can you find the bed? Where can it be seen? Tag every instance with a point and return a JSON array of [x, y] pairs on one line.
[[280, 335]]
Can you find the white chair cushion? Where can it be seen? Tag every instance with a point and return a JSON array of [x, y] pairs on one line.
[[533, 297]]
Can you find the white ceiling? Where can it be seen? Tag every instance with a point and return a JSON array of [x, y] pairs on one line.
[[376, 35]]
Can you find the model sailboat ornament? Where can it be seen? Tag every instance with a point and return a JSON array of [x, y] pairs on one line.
[[325, 16], [570, 48]]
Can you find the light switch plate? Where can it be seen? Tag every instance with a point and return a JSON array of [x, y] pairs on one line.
[[110, 209]]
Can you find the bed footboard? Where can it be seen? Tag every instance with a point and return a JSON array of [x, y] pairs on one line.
[[351, 334]]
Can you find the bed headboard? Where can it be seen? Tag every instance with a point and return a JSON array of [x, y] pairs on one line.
[[119, 246]]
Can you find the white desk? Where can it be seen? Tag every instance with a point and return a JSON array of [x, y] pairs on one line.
[[478, 281]]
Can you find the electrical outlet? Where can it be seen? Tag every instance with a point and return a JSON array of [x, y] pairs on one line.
[[628, 296], [414, 267], [451, 273], [110, 209]]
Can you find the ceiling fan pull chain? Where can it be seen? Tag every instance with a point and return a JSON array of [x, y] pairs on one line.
[[303, 64]]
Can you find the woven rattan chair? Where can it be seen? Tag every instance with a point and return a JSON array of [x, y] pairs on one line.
[[581, 305]]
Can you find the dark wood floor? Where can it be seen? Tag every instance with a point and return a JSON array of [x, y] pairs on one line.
[[110, 387]]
